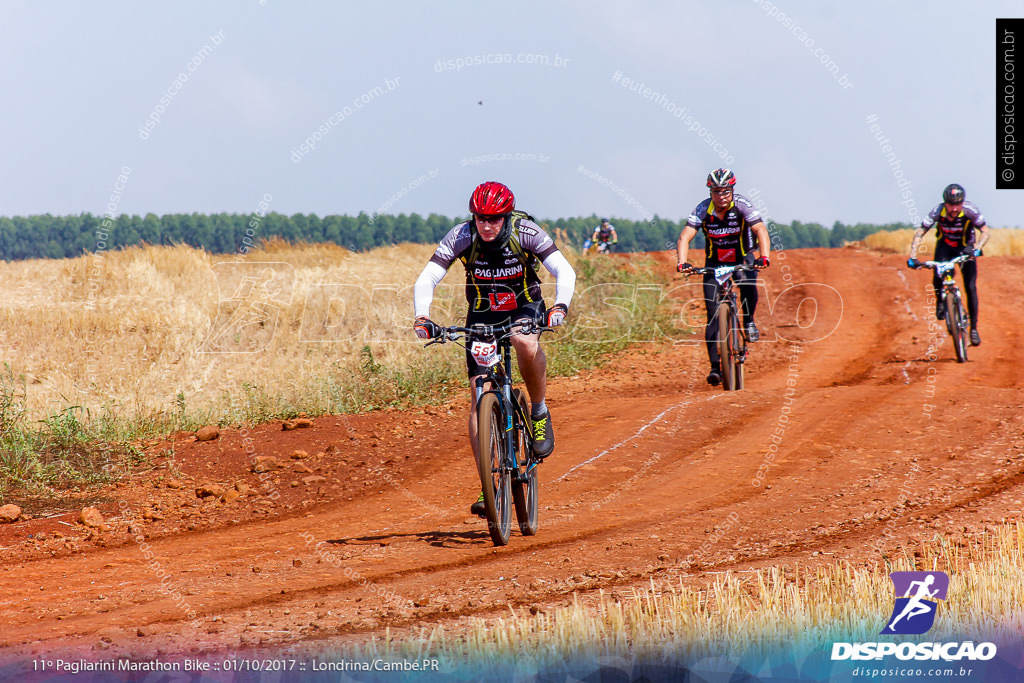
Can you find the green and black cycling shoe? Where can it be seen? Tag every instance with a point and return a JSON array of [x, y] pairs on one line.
[[543, 435], [478, 508], [715, 376]]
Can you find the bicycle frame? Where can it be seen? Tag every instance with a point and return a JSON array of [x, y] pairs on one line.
[[731, 338], [946, 270], [956, 324], [726, 293], [499, 376]]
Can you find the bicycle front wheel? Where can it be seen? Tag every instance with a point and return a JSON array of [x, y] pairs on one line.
[[725, 352], [524, 493], [957, 328], [494, 475]]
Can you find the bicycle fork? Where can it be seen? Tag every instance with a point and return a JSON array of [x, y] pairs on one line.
[[736, 324]]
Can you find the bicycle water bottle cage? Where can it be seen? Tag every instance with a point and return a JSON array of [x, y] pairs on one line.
[[722, 273], [485, 353]]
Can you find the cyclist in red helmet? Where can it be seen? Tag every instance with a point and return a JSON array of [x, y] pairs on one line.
[[733, 231], [956, 220], [500, 248]]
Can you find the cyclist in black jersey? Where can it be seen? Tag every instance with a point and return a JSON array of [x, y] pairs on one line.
[[956, 221], [605, 234], [733, 231], [500, 249]]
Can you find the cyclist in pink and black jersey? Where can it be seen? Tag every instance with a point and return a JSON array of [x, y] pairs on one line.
[[733, 232], [957, 223], [500, 249]]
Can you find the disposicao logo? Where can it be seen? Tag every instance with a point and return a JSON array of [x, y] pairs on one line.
[[917, 595], [916, 601]]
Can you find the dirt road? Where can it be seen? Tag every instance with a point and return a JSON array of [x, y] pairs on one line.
[[863, 442]]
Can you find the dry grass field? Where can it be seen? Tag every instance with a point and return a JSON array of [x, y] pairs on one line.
[[1002, 242], [177, 336], [166, 333], [129, 344], [746, 612], [148, 331]]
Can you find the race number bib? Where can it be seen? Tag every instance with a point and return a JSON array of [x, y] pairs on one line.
[[484, 353]]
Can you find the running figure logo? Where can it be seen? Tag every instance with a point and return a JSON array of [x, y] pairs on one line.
[[917, 595]]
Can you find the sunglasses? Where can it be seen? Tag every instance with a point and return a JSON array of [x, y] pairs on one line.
[[490, 218], [722, 191]]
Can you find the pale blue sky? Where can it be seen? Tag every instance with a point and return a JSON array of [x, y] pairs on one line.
[[80, 80]]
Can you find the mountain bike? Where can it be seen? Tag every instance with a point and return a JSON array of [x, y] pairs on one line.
[[598, 247], [506, 463], [732, 338], [956, 315]]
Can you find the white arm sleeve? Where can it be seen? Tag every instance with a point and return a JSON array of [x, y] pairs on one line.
[[565, 277], [423, 290]]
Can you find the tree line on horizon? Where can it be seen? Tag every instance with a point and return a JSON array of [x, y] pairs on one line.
[[56, 237]]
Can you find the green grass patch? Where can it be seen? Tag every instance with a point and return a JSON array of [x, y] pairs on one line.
[[67, 449]]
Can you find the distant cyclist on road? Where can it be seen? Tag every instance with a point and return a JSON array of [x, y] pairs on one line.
[[956, 221], [733, 231], [605, 234], [500, 248]]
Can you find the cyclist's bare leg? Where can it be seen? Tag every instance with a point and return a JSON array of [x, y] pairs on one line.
[[533, 365]]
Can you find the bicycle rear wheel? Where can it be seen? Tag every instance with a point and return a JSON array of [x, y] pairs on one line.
[[494, 476], [725, 357], [957, 328], [524, 494]]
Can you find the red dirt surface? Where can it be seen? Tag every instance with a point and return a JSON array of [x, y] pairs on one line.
[[881, 440]]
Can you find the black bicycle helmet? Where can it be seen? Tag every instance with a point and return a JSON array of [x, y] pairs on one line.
[[954, 194]]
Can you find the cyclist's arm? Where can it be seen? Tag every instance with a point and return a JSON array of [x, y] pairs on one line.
[[615, 236], [565, 277], [683, 245], [916, 242], [764, 240], [982, 236], [423, 290], [926, 225]]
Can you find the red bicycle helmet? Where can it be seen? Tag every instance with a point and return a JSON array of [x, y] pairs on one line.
[[722, 177], [492, 199]]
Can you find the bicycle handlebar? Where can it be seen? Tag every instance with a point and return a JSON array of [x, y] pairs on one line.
[[713, 269], [952, 262], [497, 332]]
